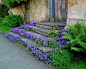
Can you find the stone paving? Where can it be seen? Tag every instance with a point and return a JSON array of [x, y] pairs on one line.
[[12, 57]]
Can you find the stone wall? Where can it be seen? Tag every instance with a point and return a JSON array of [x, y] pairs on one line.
[[76, 11], [2, 1], [19, 10], [37, 10]]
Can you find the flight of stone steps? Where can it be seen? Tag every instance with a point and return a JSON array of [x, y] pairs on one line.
[[37, 34]]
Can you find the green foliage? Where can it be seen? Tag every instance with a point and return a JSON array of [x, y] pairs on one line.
[[53, 44], [78, 65], [77, 36], [53, 32], [3, 10], [13, 3], [4, 28], [1, 19], [61, 57], [13, 20]]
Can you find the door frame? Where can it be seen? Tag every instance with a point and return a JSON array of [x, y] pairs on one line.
[[53, 11]]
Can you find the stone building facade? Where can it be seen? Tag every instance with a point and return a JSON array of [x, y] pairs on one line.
[[38, 10], [76, 11], [35, 10], [19, 10], [2, 1]]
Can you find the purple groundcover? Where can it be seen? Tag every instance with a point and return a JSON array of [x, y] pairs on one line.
[[44, 56]]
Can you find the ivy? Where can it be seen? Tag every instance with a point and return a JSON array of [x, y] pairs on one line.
[[13, 3]]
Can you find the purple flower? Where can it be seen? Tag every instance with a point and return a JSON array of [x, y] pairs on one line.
[[7, 35], [59, 40], [63, 31], [28, 35], [44, 21], [32, 23], [15, 30]]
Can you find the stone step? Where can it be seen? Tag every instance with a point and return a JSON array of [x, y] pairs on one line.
[[46, 49], [42, 48], [38, 38], [27, 41], [48, 25], [14, 34], [38, 35], [35, 34], [39, 30]]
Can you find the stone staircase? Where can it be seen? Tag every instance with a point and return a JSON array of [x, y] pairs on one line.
[[37, 34]]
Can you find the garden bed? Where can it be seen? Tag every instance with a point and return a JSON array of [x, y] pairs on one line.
[[66, 54]]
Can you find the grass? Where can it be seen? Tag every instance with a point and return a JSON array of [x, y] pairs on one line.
[[4, 28], [75, 65]]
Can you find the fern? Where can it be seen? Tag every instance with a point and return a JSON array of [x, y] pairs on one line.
[[77, 49], [76, 36]]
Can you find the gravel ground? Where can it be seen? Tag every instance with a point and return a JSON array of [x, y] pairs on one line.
[[13, 57]]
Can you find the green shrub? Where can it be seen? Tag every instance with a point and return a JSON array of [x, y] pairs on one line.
[[61, 58], [1, 19], [13, 20], [77, 37], [3, 10]]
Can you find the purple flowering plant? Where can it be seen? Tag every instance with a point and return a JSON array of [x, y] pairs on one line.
[[59, 39], [32, 23], [43, 56], [41, 41], [44, 21]]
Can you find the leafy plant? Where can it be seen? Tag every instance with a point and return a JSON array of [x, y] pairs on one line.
[[13, 3], [77, 36], [3, 11], [61, 57], [1, 19], [13, 20], [53, 44], [53, 32]]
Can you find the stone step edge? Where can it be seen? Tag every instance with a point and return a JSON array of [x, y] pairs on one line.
[[42, 48], [47, 27], [59, 25], [29, 39], [36, 34], [40, 31]]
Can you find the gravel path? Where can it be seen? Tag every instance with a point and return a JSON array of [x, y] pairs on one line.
[[12, 57]]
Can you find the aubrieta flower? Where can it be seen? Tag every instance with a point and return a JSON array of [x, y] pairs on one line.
[[32, 23], [12, 37], [15, 30], [28, 35], [59, 40], [42, 55], [44, 21]]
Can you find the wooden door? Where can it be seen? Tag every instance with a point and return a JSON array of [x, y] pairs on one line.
[[61, 8]]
